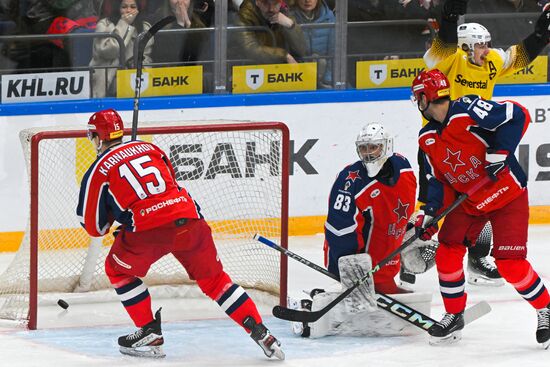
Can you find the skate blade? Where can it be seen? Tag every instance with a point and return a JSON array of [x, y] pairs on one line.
[[144, 352], [278, 353], [484, 281], [452, 338], [545, 345]]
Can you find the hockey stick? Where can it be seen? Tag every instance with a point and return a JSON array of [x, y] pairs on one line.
[[384, 301], [307, 316], [139, 49]]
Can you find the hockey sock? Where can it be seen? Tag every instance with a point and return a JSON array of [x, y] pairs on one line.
[[231, 297], [134, 296], [451, 277], [526, 281]]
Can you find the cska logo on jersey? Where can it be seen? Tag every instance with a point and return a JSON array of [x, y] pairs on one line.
[[401, 210], [353, 175], [453, 159]]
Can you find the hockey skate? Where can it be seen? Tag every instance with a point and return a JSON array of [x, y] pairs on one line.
[[261, 335], [482, 272], [147, 341], [543, 327], [448, 330]]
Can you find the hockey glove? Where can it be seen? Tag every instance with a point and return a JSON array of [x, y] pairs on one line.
[[495, 163], [542, 27], [452, 9], [422, 229]]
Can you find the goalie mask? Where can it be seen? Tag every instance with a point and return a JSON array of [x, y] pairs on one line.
[[470, 34], [374, 146], [107, 125]]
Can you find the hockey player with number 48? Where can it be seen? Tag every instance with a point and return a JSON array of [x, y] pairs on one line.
[[134, 183], [470, 142], [464, 54]]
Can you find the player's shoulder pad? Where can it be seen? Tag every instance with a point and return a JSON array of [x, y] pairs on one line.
[[465, 102], [400, 161], [431, 126]]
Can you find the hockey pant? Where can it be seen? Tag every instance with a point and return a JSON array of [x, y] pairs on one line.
[[510, 225]]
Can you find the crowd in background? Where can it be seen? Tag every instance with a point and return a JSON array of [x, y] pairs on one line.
[[291, 22]]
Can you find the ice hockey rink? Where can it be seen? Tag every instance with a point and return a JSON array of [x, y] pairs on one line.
[[504, 337]]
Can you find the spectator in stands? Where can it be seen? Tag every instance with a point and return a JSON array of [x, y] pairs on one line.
[[184, 48], [9, 12], [125, 19], [290, 45], [319, 41], [57, 17]]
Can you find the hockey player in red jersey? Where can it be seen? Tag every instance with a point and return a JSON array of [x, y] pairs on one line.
[[134, 183], [465, 141]]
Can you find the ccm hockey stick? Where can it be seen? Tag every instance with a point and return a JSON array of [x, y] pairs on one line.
[[384, 301], [139, 49], [312, 316]]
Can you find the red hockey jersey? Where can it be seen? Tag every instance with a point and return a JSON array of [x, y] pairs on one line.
[[134, 184], [455, 153]]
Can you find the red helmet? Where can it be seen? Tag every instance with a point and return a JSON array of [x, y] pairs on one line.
[[433, 84], [107, 124]]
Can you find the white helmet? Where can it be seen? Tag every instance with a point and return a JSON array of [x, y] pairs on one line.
[[471, 33], [373, 158]]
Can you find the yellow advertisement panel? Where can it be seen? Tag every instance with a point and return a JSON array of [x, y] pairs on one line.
[[401, 72], [169, 81], [535, 72], [387, 73], [274, 78]]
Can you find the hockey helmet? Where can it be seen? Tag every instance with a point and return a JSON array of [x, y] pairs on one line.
[[469, 34], [433, 84], [374, 146], [107, 124]]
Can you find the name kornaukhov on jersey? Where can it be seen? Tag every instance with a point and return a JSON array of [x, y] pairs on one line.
[[114, 158]]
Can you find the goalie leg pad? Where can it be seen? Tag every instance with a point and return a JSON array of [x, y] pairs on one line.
[[339, 321], [352, 268]]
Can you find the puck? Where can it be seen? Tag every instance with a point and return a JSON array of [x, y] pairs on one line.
[[63, 304]]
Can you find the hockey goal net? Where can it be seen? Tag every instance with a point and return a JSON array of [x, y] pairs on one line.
[[236, 171]]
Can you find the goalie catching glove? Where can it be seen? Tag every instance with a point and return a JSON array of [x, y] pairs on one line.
[[419, 257]]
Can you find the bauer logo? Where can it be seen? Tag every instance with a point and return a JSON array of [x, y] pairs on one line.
[[161, 81], [387, 73], [22, 88], [378, 73], [274, 78], [254, 78]]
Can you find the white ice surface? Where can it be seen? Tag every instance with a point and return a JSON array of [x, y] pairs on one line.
[[504, 338]]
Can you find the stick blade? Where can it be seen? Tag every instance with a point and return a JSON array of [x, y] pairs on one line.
[[288, 314], [476, 311]]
